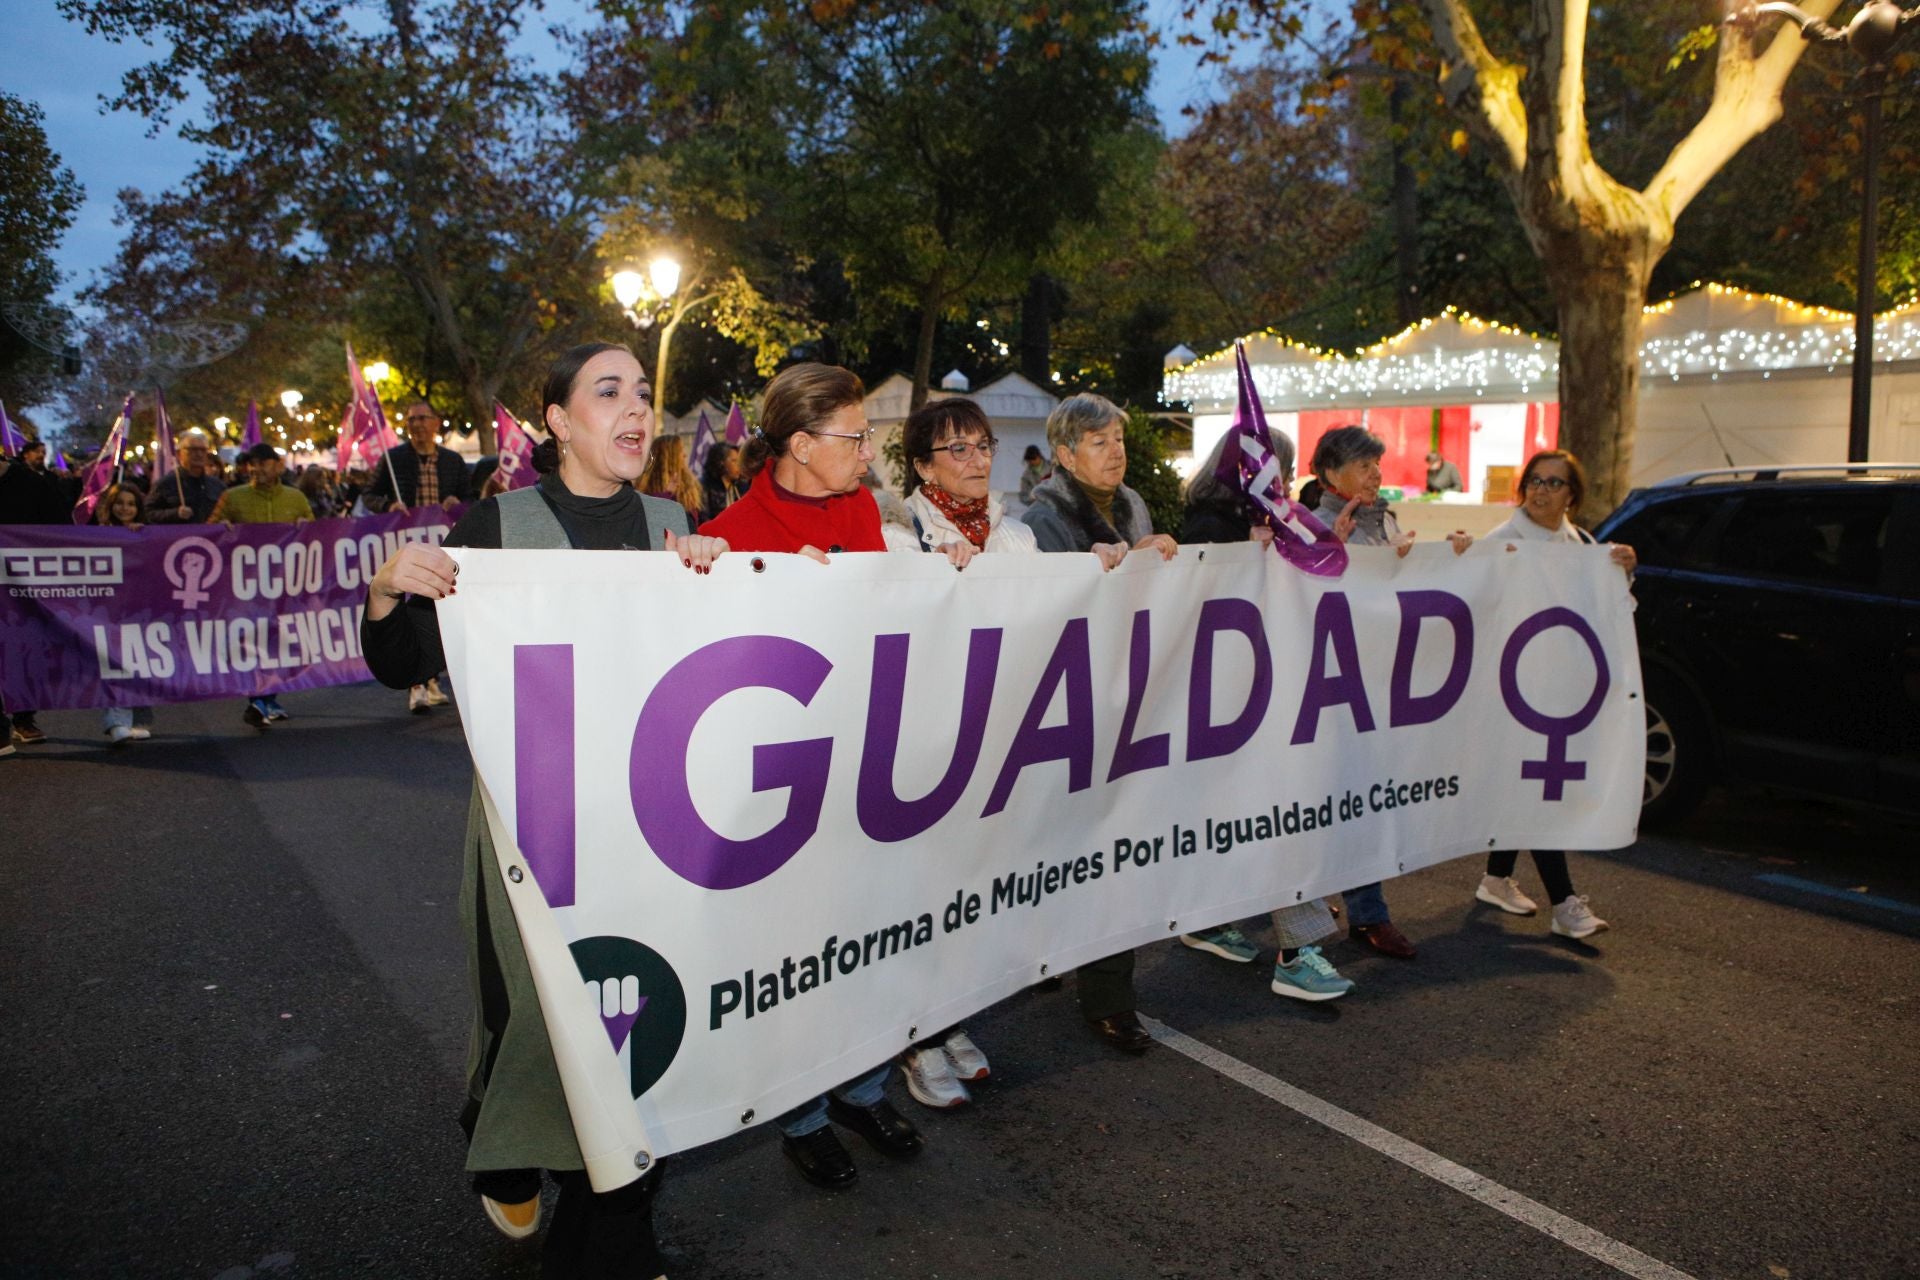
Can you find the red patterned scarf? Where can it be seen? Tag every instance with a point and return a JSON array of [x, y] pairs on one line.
[[969, 517]]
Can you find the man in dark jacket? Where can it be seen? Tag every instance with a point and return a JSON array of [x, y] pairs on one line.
[[29, 493], [423, 471], [190, 493]]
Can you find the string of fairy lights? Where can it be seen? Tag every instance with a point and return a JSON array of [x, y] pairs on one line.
[[1511, 361]]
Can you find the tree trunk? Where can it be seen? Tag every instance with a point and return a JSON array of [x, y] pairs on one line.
[[1599, 279], [931, 300], [480, 398], [1036, 331], [1406, 209]]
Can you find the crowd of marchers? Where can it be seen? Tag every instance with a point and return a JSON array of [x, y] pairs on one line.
[[802, 484]]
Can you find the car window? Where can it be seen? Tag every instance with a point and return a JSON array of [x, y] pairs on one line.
[[1668, 534], [1826, 537]]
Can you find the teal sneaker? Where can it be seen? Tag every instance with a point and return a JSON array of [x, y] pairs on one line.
[[1310, 977], [1226, 942]]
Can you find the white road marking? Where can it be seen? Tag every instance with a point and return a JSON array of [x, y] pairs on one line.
[[1621, 1257]]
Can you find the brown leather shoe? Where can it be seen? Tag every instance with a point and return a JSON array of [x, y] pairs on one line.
[[1384, 938], [1123, 1031]]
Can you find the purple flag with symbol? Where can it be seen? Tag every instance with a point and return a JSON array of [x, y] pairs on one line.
[[251, 436], [515, 449], [11, 440], [106, 468], [702, 444], [1249, 465], [736, 425]]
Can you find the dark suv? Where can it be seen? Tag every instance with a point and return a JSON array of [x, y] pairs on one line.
[[1779, 626]]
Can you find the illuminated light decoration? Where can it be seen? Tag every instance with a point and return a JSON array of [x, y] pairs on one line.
[[1470, 358]]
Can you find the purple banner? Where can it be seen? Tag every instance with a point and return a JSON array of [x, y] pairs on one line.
[[99, 617]]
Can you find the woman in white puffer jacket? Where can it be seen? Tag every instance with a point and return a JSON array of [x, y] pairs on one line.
[[947, 490]]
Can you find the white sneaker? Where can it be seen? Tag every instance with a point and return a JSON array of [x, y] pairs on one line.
[[6, 746], [127, 733], [1504, 892], [436, 697], [965, 1057], [417, 704], [930, 1079], [1572, 919]]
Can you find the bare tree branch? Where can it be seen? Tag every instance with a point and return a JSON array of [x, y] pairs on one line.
[[1746, 100], [1475, 82]]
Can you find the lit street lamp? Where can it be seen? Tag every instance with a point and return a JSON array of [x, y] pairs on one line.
[[662, 281], [291, 399], [378, 371], [1872, 35], [627, 288]]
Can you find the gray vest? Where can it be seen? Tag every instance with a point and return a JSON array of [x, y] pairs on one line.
[[527, 523]]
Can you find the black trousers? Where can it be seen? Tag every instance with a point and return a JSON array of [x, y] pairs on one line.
[[590, 1237], [1550, 863], [1106, 987]]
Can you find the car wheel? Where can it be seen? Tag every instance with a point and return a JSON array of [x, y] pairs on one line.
[[1679, 757]]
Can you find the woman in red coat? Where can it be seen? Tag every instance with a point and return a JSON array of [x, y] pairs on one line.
[[805, 461]]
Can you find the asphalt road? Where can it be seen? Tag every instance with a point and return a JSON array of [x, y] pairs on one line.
[[235, 1020]]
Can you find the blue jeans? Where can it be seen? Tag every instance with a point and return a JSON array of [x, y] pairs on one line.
[[861, 1091], [1367, 905]]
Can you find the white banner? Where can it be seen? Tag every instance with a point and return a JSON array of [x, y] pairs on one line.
[[791, 817]]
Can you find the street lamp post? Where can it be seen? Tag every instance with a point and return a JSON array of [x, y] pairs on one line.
[[665, 274], [662, 281], [1872, 35]]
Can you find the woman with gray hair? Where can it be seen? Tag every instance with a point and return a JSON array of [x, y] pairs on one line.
[[1085, 506], [1347, 464], [1217, 512], [1085, 503]]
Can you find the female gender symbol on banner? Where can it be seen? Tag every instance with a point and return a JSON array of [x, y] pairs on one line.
[[192, 565], [1556, 770]]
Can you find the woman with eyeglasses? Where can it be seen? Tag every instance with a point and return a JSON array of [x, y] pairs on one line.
[[804, 462], [949, 449], [1551, 487]]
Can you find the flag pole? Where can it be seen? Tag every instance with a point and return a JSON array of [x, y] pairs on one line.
[[387, 453]]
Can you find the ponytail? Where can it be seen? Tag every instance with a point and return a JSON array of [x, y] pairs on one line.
[[799, 398]]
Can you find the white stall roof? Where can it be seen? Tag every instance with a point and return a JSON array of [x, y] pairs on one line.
[[1455, 358]]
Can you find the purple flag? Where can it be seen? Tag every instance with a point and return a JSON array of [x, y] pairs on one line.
[[57, 459], [163, 462], [736, 425], [1248, 464], [372, 434], [251, 436], [12, 442], [106, 467], [702, 444], [514, 448]]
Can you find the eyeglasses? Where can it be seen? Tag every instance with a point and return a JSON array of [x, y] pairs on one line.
[[961, 450], [1552, 484], [864, 437]]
